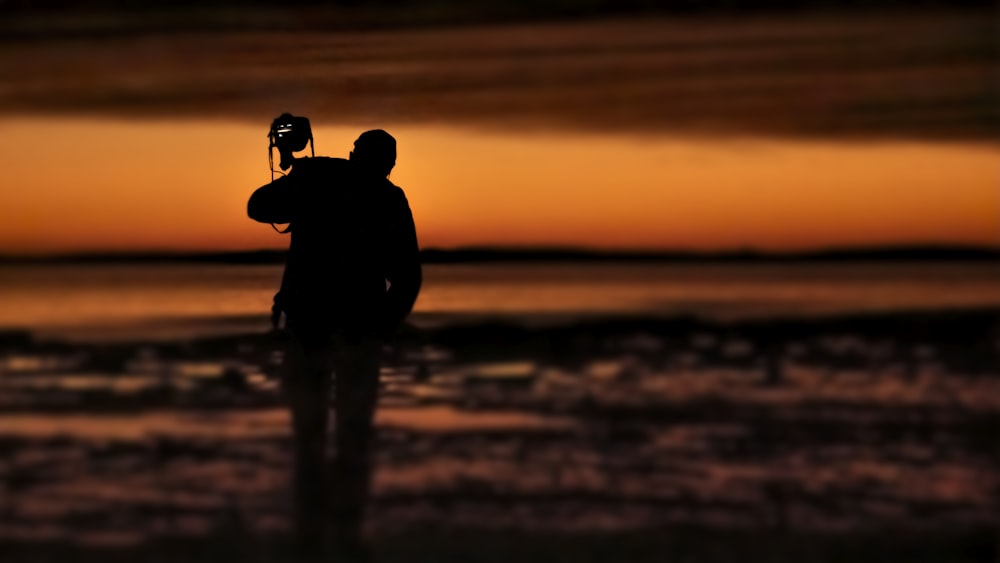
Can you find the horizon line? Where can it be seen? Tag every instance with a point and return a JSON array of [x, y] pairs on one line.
[[491, 253]]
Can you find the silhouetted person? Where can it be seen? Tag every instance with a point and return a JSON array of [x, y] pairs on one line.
[[352, 234]]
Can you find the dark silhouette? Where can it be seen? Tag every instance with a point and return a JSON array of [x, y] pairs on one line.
[[352, 236]]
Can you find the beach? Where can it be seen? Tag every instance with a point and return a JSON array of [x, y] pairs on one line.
[[710, 283], [810, 435]]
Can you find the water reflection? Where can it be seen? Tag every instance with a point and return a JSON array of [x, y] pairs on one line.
[[179, 301]]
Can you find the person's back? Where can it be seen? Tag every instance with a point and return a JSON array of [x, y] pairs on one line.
[[351, 231], [353, 274]]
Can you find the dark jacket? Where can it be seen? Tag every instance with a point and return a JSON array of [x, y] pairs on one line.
[[351, 234]]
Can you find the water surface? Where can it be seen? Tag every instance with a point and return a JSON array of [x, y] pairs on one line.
[[194, 297]]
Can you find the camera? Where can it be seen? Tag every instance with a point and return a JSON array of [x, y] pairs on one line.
[[289, 134]]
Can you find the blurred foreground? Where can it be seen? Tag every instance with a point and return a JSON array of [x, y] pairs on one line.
[[843, 437]]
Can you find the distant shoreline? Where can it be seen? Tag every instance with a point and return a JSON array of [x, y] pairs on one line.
[[473, 255]]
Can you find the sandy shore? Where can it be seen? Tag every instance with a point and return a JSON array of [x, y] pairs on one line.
[[864, 437]]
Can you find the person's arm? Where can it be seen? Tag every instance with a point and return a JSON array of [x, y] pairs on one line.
[[404, 271], [273, 203]]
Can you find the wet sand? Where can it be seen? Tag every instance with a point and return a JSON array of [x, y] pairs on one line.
[[865, 437]]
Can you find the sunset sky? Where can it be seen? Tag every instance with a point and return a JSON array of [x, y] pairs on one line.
[[782, 133], [111, 185]]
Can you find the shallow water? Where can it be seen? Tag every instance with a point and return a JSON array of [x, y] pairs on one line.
[[181, 300]]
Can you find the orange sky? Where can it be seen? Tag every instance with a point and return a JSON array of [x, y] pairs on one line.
[[89, 185]]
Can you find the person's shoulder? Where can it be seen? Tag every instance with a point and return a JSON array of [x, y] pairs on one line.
[[319, 165], [328, 162]]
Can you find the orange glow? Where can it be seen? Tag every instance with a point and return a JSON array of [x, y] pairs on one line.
[[84, 185]]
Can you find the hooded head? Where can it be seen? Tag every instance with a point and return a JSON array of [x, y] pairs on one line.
[[375, 151]]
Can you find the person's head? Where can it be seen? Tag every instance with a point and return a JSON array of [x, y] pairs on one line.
[[375, 151]]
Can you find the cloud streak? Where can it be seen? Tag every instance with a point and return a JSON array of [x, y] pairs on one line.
[[901, 77]]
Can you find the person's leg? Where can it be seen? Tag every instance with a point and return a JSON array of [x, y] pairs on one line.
[[356, 365], [307, 384]]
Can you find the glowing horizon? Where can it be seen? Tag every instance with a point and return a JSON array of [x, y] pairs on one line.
[[88, 185]]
